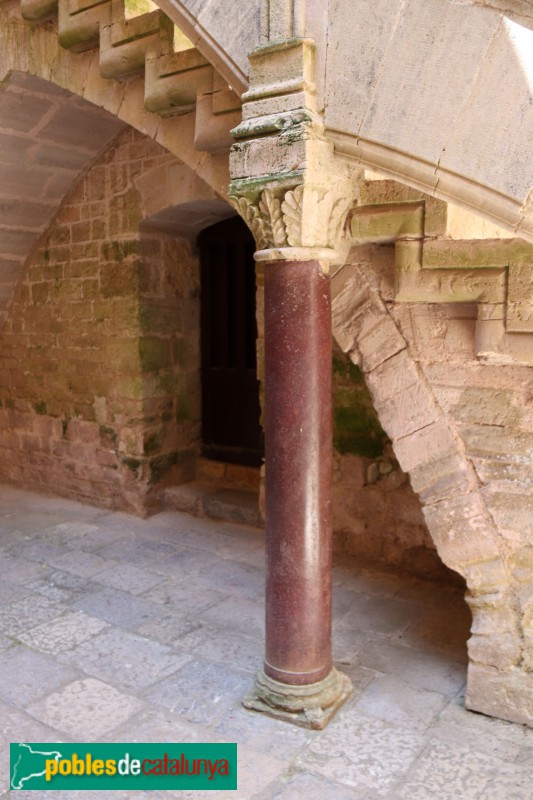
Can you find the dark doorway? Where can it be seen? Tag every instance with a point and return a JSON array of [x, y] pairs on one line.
[[230, 390]]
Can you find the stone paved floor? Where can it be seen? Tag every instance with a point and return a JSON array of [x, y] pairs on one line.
[[119, 629]]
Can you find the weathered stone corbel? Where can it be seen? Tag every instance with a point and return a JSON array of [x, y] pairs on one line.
[[38, 10], [79, 23], [125, 41], [218, 110]]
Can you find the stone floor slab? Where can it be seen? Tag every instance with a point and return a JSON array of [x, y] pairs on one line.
[[349, 641], [160, 725], [449, 772], [416, 667], [310, 787], [186, 560], [442, 630], [363, 753], [63, 587], [21, 570], [394, 701], [231, 578], [85, 709], [235, 650], [141, 553], [173, 628], [10, 592], [200, 692], [66, 534], [492, 736], [16, 726], [28, 613], [40, 551], [129, 578], [238, 614], [382, 615], [186, 596], [86, 565], [105, 535], [125, 659], [63, 633], [26, 676], [117, 608], [510, 782], [262, 734]]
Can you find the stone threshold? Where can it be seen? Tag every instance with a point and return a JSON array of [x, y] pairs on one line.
[[221, 491]]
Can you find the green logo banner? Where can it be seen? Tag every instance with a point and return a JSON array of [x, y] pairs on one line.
[[123, 766]]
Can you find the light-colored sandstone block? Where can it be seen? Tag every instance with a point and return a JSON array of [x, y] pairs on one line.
[[428, 444], [508, 694], [506, 60], [431, 40]]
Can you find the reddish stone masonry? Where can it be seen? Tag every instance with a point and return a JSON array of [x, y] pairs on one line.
[[99, 386]]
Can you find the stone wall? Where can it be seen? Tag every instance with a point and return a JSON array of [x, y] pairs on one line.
[[376, 514], [461, 428], [99, 385]]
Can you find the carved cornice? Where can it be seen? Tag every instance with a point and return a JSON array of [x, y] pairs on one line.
[[302, 216], [495, 273]]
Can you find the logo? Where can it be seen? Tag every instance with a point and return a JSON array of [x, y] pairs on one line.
[[123, 766]]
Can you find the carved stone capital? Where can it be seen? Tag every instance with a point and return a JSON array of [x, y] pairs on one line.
[[305, 216]]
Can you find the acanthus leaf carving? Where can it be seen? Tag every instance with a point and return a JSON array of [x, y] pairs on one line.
[[254, 219], [337, 218], [302, 216], [270, 206], [292, 215]]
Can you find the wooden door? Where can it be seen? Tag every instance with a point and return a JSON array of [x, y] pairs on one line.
[[230, 389]]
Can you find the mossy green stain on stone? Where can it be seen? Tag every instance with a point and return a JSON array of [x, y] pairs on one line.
[[161, 465], [167, 383], [179, 351], [119, 250], [184, 409], [152, 444], [356, 428], [40, 407], [109, 434], [133, 464], [154, 318], [154, 353], [357, 432]]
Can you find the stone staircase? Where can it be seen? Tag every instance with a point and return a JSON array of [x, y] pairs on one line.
[[221, 491], [134, 38]]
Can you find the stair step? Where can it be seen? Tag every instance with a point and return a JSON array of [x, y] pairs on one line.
[[210, 500]]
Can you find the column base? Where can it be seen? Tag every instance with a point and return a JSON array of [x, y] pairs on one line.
[[309, 706]]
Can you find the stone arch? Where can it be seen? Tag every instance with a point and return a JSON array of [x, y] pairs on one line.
[[49, 138], [102, 320], [450, 483], [175, 199], [412, 94]]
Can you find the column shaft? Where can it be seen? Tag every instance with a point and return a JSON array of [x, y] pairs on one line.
[[298, 437]]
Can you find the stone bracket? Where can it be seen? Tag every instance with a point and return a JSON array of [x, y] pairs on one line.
[[496, 273], [134, 38], [218, 110]]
